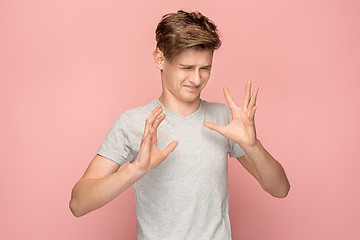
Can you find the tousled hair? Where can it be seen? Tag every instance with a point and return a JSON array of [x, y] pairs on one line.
[[182, 30]]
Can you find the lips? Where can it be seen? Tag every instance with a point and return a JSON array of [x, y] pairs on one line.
[[191, 87]]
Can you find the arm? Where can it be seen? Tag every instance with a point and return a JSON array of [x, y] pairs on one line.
[[100, 184], [266, 170], [241, 130], [102, 181]]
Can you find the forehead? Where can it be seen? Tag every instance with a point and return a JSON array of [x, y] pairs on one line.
[[193, 57]]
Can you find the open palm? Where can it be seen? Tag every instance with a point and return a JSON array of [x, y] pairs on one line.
[[242, 127], [149, 155]]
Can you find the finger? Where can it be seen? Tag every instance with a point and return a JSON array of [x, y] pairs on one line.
[[153, 115], [155, 125], [247, 94], [151, 118], [252, 113], [170, 148], [152, 131], [215, 127], [158, 121], [253, 98], [149, 136], [229, 99]]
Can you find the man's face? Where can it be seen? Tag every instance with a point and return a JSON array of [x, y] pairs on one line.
[[185, 76]]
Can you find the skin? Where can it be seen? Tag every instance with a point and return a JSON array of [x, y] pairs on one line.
[[257, 160], [103, 181], [178, 97], [183, 79]]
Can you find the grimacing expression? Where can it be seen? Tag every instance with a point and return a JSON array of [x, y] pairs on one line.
[[187, 74]]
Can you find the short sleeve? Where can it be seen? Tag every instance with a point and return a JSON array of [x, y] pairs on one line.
[[235, 149], [116, 146]]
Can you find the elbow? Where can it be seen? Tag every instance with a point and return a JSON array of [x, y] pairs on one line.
[[280, 195], [76, 203], [281, 192], [75, 209]]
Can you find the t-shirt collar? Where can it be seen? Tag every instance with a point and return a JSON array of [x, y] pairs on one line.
[[170, 113]]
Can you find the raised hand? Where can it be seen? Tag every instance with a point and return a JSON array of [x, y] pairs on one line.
[[242, 127], [149, 155]]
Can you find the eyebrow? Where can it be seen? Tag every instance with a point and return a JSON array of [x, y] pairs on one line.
[[185, 65]]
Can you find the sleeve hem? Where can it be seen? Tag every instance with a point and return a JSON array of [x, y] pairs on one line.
[[234, 155], [111, 156]]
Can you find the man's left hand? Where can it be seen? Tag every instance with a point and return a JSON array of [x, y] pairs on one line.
[[241, 129]]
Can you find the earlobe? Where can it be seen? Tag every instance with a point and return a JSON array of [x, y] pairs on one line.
[[158, 58]]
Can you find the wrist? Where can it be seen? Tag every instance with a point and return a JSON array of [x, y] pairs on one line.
[[256, 145], [137, 170]]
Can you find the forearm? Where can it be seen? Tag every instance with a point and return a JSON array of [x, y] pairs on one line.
[[270, 171], [91, 193]]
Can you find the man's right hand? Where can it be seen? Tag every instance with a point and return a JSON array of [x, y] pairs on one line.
[[149, 155], [102, 180]]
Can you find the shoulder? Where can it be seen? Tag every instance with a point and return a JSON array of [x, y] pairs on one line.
[[215, 108], [136, 115], [141, 110], [217, 112]]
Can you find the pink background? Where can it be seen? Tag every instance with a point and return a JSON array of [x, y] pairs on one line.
[[69, 68]]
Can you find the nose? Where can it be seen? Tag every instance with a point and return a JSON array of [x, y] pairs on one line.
[[195, 77]]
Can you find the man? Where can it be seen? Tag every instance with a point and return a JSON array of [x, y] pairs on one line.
[[186, 195]]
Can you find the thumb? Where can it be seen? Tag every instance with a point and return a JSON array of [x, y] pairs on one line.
[[214, 126], [170, 148]]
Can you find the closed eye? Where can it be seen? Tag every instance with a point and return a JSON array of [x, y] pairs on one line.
[[206, 68], [186, 67], [189, 67]]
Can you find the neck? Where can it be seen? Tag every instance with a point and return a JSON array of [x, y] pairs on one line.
[[174, 104]]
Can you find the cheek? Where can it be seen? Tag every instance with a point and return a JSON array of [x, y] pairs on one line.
[[180, 77], [175, 79], [170, 77], [205, 76]]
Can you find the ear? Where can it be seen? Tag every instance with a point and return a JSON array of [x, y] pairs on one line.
[[159, 58]]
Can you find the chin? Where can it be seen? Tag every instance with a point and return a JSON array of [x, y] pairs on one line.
[[191, 99]]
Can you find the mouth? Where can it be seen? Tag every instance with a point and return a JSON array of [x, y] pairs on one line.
[[191, 87]]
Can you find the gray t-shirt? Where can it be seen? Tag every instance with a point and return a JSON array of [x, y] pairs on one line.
[[186, 196]]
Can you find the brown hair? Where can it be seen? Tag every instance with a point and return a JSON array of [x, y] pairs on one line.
[[182, 30]]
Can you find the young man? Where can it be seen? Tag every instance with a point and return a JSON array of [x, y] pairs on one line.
[[186, 195]]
